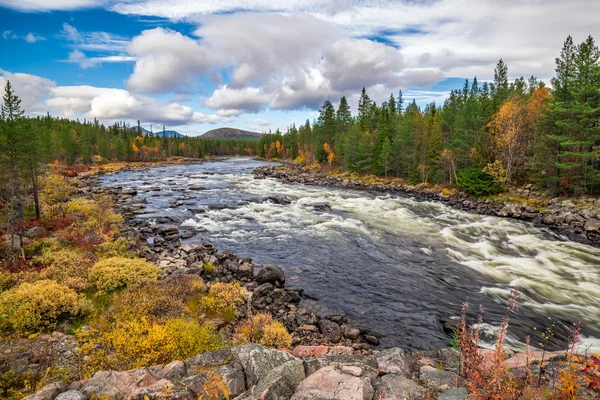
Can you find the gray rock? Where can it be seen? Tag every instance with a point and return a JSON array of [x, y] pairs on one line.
[[592, 225], [271, 274], [71, 395], [330, 329], [394, 387], [367, 364], [173, 371], [48, 392], [394, 361], [351, 333], [258, 360], [281, 382], [208, 360], [36, 231], [438, 378], [454, 394], [328, 383]]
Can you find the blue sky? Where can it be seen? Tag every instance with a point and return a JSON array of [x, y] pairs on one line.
[[263, 64]]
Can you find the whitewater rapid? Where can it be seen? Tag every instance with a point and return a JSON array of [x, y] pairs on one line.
[[395, 264]]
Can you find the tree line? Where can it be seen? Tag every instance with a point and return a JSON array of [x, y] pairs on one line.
[[502, 132]]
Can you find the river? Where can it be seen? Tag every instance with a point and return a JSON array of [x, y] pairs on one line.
[[391, 263]]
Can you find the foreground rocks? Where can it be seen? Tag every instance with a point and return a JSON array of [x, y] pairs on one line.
[[580, 223], [253, 372]]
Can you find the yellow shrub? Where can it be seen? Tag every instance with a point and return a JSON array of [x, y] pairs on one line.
[[276, 335], [118, 272], [98, 217], [208, 267], [156, 301], [55, 194], [114, 248], [262, 329], [251, 330], [67, 266], [223, 299], [300, 160], [34, 307], [136, 343]]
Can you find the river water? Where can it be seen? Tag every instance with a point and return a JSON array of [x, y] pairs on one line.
[[393, 264]]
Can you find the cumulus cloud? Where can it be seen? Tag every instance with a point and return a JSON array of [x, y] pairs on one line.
[[31, 38], [166, 60], [106, 104], [237, 101], [29, 88]]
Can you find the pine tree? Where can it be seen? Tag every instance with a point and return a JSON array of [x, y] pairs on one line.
[[12, 142], [364, 108]]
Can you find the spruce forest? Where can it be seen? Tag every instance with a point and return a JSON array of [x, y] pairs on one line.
[[485, 135]]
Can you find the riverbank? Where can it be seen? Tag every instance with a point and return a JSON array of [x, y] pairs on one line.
[[577, 222]]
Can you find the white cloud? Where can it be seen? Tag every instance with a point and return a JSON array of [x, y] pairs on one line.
[[237, 101], [29, 88], [93, 41], [31, 38], [166, 60], [107, 104], [79, 57], [8, 35], [45, 5]]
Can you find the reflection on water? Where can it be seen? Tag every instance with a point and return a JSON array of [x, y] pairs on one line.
[[392, 263]]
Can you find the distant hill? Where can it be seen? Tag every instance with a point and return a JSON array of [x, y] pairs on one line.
[[160, 132], [231, 133]]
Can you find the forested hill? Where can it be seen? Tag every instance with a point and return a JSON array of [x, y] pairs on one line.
[[484, 138], [231, 133]]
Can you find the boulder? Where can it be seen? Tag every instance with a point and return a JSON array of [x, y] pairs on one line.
[[592, 225], [351, 333], [329, 383], [71, 395], [258, 360], [394, 361], [277, 199], [330, 330], [115, 384], [281, 382], [173, 371], [454, 394], [163, 389], [394, 387], [48, 392], [438, 378], [271, 274], [367, 364], [36, 231], [208, 360]]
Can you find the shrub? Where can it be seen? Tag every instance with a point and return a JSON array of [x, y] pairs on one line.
[[68, 266], [208, 267], [222, 300], [477, 183], [55, 195], [263, 330], [276, 335], [119, 272], [120, 247], [138, 342], [30, 308], [156, 301], [98, 218]]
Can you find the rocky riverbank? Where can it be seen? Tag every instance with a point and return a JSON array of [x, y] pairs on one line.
[[268, 291], [576, 222]]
